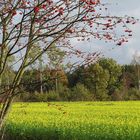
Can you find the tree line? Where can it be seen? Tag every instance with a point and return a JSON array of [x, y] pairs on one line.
[[103, 80]]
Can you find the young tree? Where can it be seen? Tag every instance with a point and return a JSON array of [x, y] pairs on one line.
[[136, 63], [115, 73], [56, 57], [27, 23], [94, 77]]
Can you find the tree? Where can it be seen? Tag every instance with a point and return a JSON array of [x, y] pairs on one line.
[[7, 77], [95, 78], [115, 73], [80, 93], [56, 57], [28, 23], [38, 63], [136, 63], [6, 80], [97, 81], [130, 77], [102, 78]]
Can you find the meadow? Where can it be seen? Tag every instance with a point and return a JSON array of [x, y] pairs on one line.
[[74, 121]]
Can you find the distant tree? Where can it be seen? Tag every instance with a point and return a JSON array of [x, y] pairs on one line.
[[80, 93], [76, 76], [130, 76], [8, 76], [97, 81], [59, 76], [136, 63], [102, 78], [94, 77], [56, 58], [115, 74], [31, 80]]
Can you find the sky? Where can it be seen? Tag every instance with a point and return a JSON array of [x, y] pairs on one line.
[[122, 54]]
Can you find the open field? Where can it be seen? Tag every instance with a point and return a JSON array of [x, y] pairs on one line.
[[74, 121]]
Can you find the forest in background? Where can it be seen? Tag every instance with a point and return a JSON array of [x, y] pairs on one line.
[[104, 80]]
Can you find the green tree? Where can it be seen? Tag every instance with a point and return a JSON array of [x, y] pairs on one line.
[[56, 57], [94, 77], [103, 78], [136, 63], [80, 93], [8, 76], [97, 81], [115, 74]]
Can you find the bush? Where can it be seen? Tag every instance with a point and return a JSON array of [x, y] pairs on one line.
[[64, 93], [117, 95], [33, 97], [133, 94], [24, 97], [52, 96], [80, 93], [39, 97], [101, 95]]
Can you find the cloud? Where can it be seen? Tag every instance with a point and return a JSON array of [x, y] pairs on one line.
[[123, 54]]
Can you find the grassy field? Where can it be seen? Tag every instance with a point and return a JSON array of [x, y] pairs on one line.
[[74, 121]]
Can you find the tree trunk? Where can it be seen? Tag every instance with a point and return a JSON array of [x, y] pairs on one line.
[[8, 98], [3, 114]]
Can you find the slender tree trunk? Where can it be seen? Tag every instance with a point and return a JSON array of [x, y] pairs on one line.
[[41, 75], [41, 86], [0, 83], [138, 76], [3, 115], [4, 111], [56, 82], [41, 81], [8, 98]]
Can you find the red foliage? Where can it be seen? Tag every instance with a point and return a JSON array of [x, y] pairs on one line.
[[49, 21], [36, 9]]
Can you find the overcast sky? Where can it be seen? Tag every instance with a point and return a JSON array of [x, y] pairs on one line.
[[123, 54]]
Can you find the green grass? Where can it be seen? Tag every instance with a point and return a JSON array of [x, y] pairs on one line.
[[74, 121]]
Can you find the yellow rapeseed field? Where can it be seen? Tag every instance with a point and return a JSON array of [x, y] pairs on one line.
[[74, 121]]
